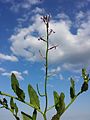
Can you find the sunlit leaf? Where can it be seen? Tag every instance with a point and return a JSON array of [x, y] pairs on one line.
[[34, 99], [15, 86], [14, 82]]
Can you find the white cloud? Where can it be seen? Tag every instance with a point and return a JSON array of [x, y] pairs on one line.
[[2, 70], [54, 71], [25, 72], [8, 57], [18, 74], [72, 49], [38, 10], [24, 4], [61, 77]]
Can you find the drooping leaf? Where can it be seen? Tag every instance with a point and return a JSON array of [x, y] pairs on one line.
[[56, 100], [15, 86], [34, 114], [26, 116], [34, 99], [72, 89]]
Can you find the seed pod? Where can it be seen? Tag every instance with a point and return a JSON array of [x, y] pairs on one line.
[[84, 87]]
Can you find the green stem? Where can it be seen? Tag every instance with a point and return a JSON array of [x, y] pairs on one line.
[[72, 101], [8, 95], [46, 75]]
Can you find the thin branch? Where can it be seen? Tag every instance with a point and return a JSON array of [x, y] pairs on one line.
[[41, 54], [42, 39], [53, 47], [5, 94], [42, 95]]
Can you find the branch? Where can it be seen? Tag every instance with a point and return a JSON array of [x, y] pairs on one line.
[[53, 47], [41, 54], [8, 95], [42, 95], [42, 39]]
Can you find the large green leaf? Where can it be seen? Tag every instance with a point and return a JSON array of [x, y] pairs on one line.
[[72, 88], [14, 82], [34, 99], [15, 86], [26, 116]]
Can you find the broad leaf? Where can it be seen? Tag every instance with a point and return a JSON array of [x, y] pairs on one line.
[[26, 116], [72, 89], [15, 86], [34, 99], [14, 82]]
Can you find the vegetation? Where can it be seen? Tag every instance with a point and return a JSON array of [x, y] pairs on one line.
[[34, 103]]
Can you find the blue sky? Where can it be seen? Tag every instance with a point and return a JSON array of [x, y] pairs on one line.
[[20, 28]]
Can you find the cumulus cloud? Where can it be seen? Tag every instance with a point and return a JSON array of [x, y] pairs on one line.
[[18, 74], [23, 4], [2, 70], [73, 48], [11, 58]]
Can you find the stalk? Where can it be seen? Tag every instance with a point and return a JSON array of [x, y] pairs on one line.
[[46, 74]]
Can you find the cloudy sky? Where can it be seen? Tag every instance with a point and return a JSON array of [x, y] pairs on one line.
[[20, 28]]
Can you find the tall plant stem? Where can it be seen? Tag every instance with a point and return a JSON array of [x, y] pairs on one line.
[[46, 74]]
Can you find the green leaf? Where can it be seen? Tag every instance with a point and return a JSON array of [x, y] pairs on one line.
[[61, 103], [85, 75], [34, 99], [20, 93], [26, 116], [16, 109], [12, 104], [84, 87], [72, 89], [56, 100], [15, 86], [34, 114], [14, 82]]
